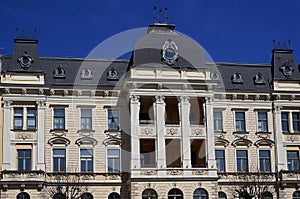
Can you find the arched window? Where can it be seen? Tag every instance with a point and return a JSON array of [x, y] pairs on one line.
[[296, 195], [114, 195], [149, 194], [59, 196], [222, 195], [200, 194], [267, 195], [87, 195], [175, 194], [23, 195]]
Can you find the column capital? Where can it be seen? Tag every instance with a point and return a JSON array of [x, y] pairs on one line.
[[40, 103], [7, 103], [209, 99], [277, 109], [184, 99], [159, 98], [134, 98]]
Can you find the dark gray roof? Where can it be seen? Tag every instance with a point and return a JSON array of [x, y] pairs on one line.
[[248, 73], [148, 49]]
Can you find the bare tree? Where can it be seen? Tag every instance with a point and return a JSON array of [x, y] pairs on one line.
[[65, 186], [253, 185]]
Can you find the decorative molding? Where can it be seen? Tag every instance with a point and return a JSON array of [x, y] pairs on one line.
[[59, 140], [86, 74], [86, 141], [7, 91], [134, 98], [159, 99], [184, 99], [7, 104], [41, 91], [170, 52], [41, 103]]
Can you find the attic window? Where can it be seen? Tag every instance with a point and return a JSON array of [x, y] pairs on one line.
[[215, 76], [287, 69], [113, 74], [59, 72], [25, 60], [259, 79], [237, 78], [86, 74]]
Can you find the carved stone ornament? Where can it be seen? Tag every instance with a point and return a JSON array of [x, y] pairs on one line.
[[159, 98], [134, 98], [287, 69], [170, 52], [86, 74], [25, 60]]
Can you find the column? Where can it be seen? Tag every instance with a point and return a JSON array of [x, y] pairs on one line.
[[7, 158], [160, 134], [184, 108], [135, 143], [211, 162], [40, 159], [280, 150]]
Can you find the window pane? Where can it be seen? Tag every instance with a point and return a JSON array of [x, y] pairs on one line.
[[240, 121], [242, 160], [220, 159], [59, 160], [59, 112], [218, 121], [113, 119], [295, 121], [284, 122], [264, 161]]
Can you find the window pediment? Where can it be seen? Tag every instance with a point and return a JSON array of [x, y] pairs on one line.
[[59, 140], [242, 141], [86, 141], [220, 141], [264, 142]]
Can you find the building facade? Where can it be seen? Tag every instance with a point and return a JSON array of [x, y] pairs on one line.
[[168, 123]]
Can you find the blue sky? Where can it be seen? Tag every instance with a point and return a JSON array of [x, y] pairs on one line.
[[230, 30]]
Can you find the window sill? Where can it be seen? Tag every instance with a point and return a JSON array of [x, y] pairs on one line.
[[240, 132], [263, 132], [58, 130], [112, 130], [146, 121], [220, 132], [290, 133], [86, 131], [22, 130]]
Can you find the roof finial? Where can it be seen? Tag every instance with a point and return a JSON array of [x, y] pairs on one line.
[[161, 15]]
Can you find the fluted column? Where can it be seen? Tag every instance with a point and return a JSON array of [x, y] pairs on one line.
[[211, 161], [281, 153], [7, 148], [135, 144], [41, 135], [184, 108], [160, 131]]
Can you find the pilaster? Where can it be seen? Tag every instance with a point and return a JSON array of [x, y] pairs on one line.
[[160, 130], [7, 158], [135, 144], [281, 153], [41, 135]]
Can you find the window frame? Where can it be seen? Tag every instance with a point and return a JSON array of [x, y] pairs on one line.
[[117, 128], [89, 117], [293, 160], [24, 160], [18, 117], [247, 160], [31, 117], [59, 118], [285, 121], [86, 158], [237, 121], [264, 121], [264, 159], [107, 161], [220, 120], [65, 156], [224, 159]]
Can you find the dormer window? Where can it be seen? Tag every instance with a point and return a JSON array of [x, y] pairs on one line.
[[259, 79], [86, 74], [215, 76], [25, 60], [113, 74], [237, 78], [287, 69], [59, 72]]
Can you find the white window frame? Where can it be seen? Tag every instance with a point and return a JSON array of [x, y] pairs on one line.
[[59, 146], [79, 158], [268, 119], [271, 159], [120, 158], [235, 158]]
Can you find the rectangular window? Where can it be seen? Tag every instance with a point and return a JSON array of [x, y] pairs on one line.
[[198, 156], [24, 159], [196, 110], [218, 121], [220, 159], [113, 119], [86, 160], [18, 118], [173, 153], [59, 160], [293, 160], [285, 122], [113, 160], [86, 119], [295, 117], [262, 123], [31, 118], [172, 112], [242, 160], [264, 161], [147, 153], [146, 115], [240, 121], [59, 119]]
